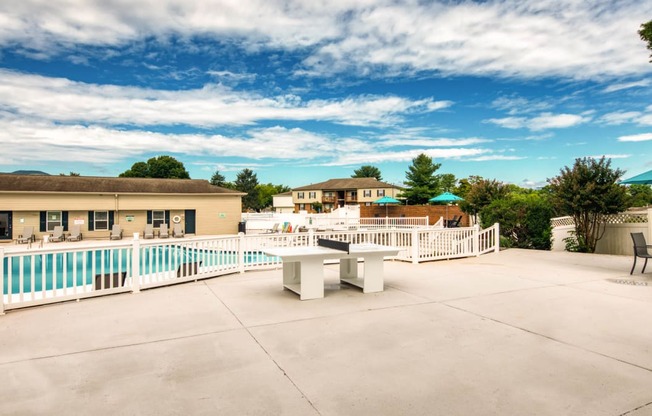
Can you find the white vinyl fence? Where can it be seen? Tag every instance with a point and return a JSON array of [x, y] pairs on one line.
[[58, 273]]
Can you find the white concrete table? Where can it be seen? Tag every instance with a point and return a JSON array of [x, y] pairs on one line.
[[303, 267]]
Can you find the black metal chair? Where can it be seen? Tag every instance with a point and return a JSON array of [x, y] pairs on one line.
[[640, 250]]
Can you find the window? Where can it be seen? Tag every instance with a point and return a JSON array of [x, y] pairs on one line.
[[54, 219], [101, 220], [300, 195], [367, 192], [312, 195], [380, 192], [158, 218], [302, 207]]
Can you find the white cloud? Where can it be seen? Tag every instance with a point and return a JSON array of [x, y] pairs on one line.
[[543, 121], [611, 156], [589, 39], [636, 138], [519, 105], [67, 101], [50, 142], [620, 117], [627, 85]]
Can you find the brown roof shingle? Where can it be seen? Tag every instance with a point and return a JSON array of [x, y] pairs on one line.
[[347, 183], [95, 184]]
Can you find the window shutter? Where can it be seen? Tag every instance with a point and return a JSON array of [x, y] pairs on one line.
[[43, 221], [91, 220], [149, 217], [167, 217], [111, 218], [64, 220]]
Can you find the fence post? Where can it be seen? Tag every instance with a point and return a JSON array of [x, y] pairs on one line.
[[476, 240], [427, 221], [311, 237], [135, 265], [2, 281], [497, 237], [241, 252], [415, 246]]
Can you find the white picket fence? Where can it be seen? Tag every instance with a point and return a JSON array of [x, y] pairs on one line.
[[59, 273]]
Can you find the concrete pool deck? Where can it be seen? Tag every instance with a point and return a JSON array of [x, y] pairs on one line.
[[512, 333]]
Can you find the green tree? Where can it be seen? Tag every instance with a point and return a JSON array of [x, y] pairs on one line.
[[247, 181], [267, 191], [480, 193], [646, 35], [447, 182], [422, 183], [165, 167], [367, 171], [70, 174], [218, 179], [587, 192], [524, 219], [640, 195]]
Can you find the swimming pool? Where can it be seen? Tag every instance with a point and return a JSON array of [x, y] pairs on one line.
[[50, 271]]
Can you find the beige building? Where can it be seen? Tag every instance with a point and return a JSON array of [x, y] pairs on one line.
[[336, 193], [96, 203]]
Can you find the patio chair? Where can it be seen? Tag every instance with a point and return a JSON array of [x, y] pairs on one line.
[[177, 231], [274, 229], [26, 236], [116, 232], [640, 250], [149, 231], [75, 233], [163, 231], [57, 234], [455, 222]]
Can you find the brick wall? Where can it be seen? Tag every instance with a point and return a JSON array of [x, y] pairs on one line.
[[433, 212]]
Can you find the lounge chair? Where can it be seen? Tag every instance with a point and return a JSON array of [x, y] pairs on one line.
[[75, 233], [163, 231], [109, 280], [188, 269], [57, 234], [27, 236], [640, 250], [274, 229], [178, 231], [116, 232], [149, 231]]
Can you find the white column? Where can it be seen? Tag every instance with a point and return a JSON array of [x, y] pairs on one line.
[[476, 240], [415, 246], [241, 252], [2, 281], [497, 237], [135, 266]]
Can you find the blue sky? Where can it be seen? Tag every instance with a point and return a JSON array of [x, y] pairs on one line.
[[304, 91]]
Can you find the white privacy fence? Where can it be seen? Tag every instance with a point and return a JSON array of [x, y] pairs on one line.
[[57, 273], [617, 230]]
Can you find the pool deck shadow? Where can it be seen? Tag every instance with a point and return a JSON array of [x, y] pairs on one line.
[[516, 332]]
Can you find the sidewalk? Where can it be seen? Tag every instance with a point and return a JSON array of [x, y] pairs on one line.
[[513, 333]]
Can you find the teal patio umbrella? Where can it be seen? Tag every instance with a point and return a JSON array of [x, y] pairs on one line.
[[644, 178], [386, 200], [447, 198]]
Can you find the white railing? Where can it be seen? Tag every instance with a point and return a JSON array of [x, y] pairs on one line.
[[54, 274]]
